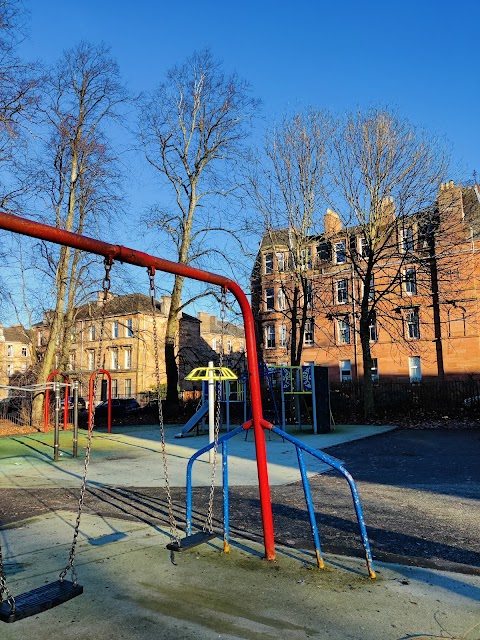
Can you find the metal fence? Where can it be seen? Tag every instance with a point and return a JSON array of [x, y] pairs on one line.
[[427, 398]]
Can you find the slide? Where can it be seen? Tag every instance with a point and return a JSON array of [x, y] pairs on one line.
[[194, 420]]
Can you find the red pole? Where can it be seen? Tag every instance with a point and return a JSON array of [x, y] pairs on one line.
[[65, 401], [138, 258]]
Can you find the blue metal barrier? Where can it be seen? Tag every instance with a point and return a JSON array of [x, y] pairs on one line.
[[335, 464], [222, 442], [300, 447]]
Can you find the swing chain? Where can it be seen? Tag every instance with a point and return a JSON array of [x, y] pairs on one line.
[[208, 525], [4, 591], [108, 262], [174, 535]]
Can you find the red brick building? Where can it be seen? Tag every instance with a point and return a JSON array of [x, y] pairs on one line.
[[424, 290]]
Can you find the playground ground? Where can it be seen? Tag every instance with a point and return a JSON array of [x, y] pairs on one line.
[[421, 500]]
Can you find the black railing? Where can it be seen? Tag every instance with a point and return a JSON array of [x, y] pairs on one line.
[[429, 398]]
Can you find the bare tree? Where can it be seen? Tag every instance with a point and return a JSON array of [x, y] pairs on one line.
[[78, 177], [192, 130], [384, 174], [18, 97], [286, 188]]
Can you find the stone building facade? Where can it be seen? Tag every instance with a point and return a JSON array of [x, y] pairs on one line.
[[127, 345], [15, 356]]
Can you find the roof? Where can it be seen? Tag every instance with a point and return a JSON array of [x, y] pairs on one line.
[[129, 304], [17, 333], [230, 329]]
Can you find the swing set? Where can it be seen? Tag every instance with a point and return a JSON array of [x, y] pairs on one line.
[[57, 592]]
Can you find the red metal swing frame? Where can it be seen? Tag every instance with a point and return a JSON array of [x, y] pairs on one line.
[[112, 252]]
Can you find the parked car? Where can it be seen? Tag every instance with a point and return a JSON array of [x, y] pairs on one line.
[[120, 408], [81, 403]]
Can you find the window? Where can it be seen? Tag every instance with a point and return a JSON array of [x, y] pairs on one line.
[[371, 288], [282, 335], [10, 350], [340, 252], [129, 328], [309, 295], [407, 239], [342, 291], [92, 332], [214, 344], [410, 280], [364, 248], [268, 263], [374, 369], [23, 367], [229, 346], [343, 327], [415, 369], [128, 387], [270, 336], [91, 360], [352, 244], [114, 359], [345, 370], [372, 328], [281, 300], [115, 329], [9, 370], [413, 324], [306, 258], [24, 352], [308, 333], [269, 298], [281, 261], [426, 235], [114, 388], [71, 360], [39, 338], [324, 252], [128, 358]]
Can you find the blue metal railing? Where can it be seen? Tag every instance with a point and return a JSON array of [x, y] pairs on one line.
[[300, 447]]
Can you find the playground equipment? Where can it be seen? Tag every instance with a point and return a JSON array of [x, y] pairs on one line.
[[300, 448], [297, 383], [227, 386], [91, 397], [55, 593], [18, 405], [212, 375]]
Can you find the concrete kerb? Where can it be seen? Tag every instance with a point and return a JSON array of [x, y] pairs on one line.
[[132, 590]]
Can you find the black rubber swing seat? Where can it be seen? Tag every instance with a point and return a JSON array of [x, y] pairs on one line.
[[46, 597], [191, 541]]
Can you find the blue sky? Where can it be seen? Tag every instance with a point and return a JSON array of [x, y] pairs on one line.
[[421, 57]]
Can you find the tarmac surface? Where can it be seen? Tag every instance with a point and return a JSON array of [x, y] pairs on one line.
[[133, 590]]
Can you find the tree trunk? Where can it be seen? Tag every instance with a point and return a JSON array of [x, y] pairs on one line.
[[171, 402], [368, 398]]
